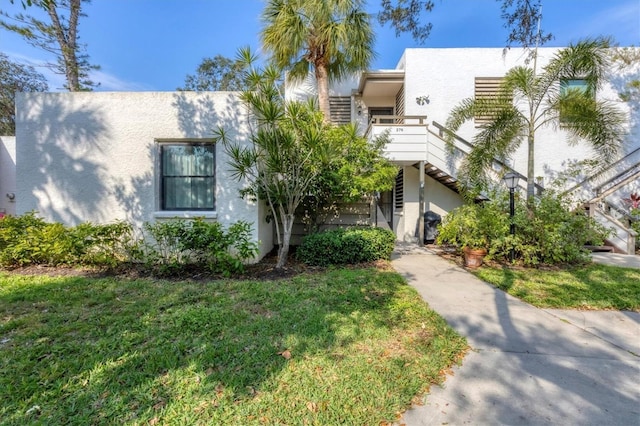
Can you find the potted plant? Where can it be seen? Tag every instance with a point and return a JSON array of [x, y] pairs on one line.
[[470, 227]]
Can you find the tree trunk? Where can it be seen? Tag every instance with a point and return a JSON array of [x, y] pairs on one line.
[[283, 250], [68, 42], [530, 167], [322, 79]]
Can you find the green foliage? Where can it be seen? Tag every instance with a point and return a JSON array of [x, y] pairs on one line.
[[547, 231], [29, 240], [346, 246], [551, 233], [474, 226], [57, 34], [15, 78], [350, 346], [296, 159], [175, 244], [214, 74], [356, 169]]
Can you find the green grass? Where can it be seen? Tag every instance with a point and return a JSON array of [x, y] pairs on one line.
[[349, 346], [582, 287]]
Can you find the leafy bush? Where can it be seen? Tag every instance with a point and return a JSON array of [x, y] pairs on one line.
[[474, 225], [552, 233], [177, 243], [29, 240], [546, 232], [344, 246]]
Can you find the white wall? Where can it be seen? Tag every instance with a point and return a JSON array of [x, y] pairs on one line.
[[448, 75], [7, 174], [95, 156]]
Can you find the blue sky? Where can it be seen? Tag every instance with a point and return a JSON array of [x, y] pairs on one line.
[[154, 44]]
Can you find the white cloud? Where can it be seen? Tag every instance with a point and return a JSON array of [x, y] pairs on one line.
[[621, 20], [108, 82]]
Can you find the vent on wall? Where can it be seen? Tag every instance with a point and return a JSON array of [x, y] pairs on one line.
[[486, 88], [398, 191], [340, 109]]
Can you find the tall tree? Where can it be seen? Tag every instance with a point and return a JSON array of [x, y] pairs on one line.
[[58, 36], [528, 101], [15, 77], [334, 37], [405, 16], [217, 73], [523, 20]]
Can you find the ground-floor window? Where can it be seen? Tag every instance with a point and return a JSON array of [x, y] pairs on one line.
[[187, 176]]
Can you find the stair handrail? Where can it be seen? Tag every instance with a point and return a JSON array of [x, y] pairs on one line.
[[617, 186], [598, 188], [600, 172], [442, 130]]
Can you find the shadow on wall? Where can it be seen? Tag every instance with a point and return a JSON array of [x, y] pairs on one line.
[[198, 116], [57, 173], [622, 81]]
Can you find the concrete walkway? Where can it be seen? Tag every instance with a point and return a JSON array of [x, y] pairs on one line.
[[527, 366], [615, 259]]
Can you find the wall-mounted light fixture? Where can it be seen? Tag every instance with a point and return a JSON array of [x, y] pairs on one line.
[[423, 100], [11, 196]]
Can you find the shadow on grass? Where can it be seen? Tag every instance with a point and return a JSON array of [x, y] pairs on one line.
[[102, 350]]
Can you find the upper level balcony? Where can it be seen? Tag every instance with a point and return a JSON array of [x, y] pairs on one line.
[[407, 137]]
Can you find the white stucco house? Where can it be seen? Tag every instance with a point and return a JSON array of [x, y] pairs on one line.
[[149, 156], [412, 103]]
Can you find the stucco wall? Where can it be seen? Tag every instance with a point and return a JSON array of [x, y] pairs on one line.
[[95, 156], [448, 75], [7, 174]]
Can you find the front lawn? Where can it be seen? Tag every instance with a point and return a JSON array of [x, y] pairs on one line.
[[346, 346], [591, 286]]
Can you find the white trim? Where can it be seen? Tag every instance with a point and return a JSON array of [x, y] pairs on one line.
[[187, 214]]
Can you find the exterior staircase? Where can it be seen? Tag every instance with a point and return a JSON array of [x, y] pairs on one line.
[[601, 196], [412, 141]]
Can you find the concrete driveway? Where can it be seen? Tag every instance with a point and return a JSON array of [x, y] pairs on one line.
[[527, 366]]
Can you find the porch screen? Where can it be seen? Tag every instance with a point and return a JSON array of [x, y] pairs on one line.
[[188, 177]]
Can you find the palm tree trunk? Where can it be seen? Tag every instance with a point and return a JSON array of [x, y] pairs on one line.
[[530, 166], [322, 78]]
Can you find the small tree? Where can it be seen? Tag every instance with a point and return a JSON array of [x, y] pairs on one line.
[[282, 160], [294, 155]]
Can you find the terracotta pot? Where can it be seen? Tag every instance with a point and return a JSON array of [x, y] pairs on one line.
[[473, 257]]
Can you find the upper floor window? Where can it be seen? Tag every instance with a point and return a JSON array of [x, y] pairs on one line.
[[568, 106], [188, 176], [578, 84]]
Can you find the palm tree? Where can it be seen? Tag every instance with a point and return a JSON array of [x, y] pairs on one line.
[[528, 101], [332, 36]]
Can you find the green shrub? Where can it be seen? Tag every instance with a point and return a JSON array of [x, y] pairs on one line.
[[551, 233], [176, 243], [475, 225], [546, 232], [346, 246], [29, 240]]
